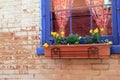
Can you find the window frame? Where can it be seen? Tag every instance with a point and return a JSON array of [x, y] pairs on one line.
[[45, 19]]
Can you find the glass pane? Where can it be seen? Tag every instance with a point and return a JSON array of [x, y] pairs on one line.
[[100, 2], [80, 3], [102, 18], [81, 21], [100, 15], [59, 5], [97, 2], [60, 22]]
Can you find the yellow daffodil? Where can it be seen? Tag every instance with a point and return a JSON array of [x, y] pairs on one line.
[[57, 35], [62, 33], [96, 30], [91, 31], [45, 45], [101, 29], [53, 33]]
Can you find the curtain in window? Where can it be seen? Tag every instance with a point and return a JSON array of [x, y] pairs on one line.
[[60, 14], [101, 14]]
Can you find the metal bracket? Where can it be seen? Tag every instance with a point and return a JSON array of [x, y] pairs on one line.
[[93, 51], [55, 52]]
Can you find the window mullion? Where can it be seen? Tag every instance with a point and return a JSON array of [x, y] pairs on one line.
[[91, 19], [70, 3]]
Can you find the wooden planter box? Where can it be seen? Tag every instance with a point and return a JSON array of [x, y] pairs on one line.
[[78, 51]]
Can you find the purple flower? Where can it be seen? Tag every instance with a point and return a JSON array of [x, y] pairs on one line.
[[52, 41]]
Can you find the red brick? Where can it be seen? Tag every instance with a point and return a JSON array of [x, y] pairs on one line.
[[100, 66], [6, 34], [106, 78]]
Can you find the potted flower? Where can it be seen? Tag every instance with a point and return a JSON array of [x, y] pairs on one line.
[[75, 46]]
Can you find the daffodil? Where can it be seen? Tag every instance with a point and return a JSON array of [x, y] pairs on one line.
[[45, 45], [96, 30], [101, 29], [53, 34], [57, 35], [91, 31], [62, 33]]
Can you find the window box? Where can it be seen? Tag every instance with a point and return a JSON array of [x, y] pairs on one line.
[[78, 51]]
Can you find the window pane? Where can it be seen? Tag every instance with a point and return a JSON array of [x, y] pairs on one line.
[[60, 16], [80, 3], [60, 21], [83, 16], [81, 21], [100, 2], [102, 17], [59, 5]]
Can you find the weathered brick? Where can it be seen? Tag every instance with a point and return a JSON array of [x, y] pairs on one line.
[[86, 61], [110, 61], [104, 66], [85, 72], [6, 34], [20, 32], [106, 78], [81, 67]]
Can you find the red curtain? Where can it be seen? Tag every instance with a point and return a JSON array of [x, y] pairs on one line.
[[101, 14], [61, 17]]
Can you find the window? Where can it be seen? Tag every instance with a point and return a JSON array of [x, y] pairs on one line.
[[79, 16]]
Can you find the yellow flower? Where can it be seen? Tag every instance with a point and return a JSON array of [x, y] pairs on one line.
[[62, 33], [96, 30], [91, 31], [57, 35], [45, 45], [101, 29], [53, 33]]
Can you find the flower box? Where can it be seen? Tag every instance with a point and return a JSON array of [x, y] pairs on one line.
[[78, 51]]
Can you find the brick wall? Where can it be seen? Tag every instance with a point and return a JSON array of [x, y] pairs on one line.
[[19, 37]]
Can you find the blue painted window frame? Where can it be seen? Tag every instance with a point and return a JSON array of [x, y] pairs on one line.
[[45, 13]]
